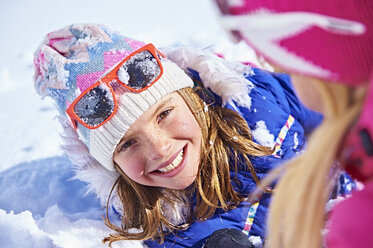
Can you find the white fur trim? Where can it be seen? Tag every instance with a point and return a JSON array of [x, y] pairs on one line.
[[99, 180], [223, 77]]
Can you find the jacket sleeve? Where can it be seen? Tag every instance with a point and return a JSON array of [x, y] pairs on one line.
[[280, 87], [276, 116], [308, 118]]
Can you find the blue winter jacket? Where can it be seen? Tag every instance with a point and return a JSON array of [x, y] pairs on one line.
[[275, 115]]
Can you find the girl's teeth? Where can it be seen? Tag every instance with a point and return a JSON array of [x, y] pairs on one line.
[[174, 163]]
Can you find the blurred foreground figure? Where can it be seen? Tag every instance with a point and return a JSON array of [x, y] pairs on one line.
[[328, 48]]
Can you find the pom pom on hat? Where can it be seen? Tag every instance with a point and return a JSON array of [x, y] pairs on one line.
[[73, 58]]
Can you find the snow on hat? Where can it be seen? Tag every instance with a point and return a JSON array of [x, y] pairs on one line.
[[327, 39], [73, 58]]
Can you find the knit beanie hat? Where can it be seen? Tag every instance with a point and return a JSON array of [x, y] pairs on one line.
[[326, 39], [73, 58]]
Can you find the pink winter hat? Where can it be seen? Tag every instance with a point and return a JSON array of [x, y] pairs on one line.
[[327, 39]]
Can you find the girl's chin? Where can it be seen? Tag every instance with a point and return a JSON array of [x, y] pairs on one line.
[[183, 185]]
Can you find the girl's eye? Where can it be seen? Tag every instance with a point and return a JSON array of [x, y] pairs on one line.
[[164, 114], [126, 144]]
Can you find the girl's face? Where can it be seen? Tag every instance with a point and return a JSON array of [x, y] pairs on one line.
[[162, 148]]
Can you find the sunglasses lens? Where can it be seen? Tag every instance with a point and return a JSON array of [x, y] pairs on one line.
[[95, 106], [140, 70]]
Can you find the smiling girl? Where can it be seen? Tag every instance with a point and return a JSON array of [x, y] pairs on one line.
[[173, 145], [162, 147]]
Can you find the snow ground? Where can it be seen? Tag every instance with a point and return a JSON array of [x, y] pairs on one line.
[[40, 204]]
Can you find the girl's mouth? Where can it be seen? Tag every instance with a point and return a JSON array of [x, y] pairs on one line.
[[177, 161]]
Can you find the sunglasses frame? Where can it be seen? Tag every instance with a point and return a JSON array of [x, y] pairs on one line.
[[107, 79]]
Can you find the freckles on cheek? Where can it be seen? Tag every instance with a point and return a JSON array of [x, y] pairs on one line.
[[185, 125], [189, 128], [133, 169]]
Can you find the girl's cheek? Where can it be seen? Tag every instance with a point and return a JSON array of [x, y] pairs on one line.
[[189, 126], [181, 123], [185, 128], [133, 167]]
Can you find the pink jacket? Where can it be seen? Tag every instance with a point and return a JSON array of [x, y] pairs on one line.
[[351, 221]]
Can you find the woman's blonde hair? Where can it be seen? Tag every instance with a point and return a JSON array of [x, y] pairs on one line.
[[232, 141], [297, 211]]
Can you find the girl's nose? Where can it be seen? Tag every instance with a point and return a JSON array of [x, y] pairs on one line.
[[158, 145]]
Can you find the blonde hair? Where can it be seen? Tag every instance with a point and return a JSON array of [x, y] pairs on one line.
[[297, 211], [143, 205]]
